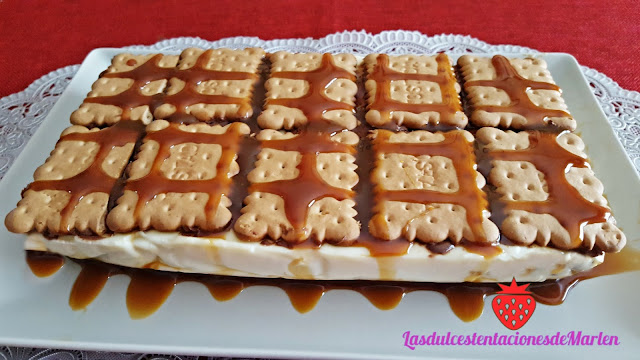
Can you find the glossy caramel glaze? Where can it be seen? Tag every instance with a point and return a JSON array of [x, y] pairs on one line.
[[300, 193], [43, 264], [508, 80], [382, 74], [469, 196], [365, 160], [150, 71], [155, 183], [93, 179], [315, 102], [564, 203]]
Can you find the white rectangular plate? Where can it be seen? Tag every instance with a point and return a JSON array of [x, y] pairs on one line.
[[261, 322]]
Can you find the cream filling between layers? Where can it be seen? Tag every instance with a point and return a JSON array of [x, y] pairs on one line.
[[231, 256]]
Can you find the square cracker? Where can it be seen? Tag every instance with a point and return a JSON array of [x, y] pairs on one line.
[[71, 190], [215, 84], [180, 179], [426, 188], [123, 93], [298, 81], [542, 181], [327, 219], [418, 92], [521, 95]]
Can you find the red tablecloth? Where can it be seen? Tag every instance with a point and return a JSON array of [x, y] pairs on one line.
[[40, 36]]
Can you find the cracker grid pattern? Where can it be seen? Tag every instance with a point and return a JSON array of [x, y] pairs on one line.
[[564, 202], [185, 100], [98, 178], [313, 206], [146, 87], [520, 92], [314, 104], [308, 187], [455, 146], [156, 182], [175, 93], [383, 104]]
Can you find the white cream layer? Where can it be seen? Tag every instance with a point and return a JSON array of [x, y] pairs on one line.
[[230, 256]]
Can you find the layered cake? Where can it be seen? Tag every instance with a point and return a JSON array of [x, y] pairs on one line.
[[168, 166]]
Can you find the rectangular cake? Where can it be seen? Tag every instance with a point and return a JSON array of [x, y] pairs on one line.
[[165, 148]]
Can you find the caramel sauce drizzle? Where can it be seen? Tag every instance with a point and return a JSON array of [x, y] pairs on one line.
[[383, 75], [301, 193], [131, 98], [150, 71], [315, 102], [564, 203], [155, 182], [365, 160], [455, 147], [93, 179], [508, 80]]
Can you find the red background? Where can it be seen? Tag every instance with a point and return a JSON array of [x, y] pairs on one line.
[[37, 37]]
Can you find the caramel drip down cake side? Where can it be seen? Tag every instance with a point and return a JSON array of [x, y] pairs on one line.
[[416, 92], [426, 188], [513, 93], [199, 85], [545, 191]]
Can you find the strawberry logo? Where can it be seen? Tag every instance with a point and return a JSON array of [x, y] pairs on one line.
[[513, 305]]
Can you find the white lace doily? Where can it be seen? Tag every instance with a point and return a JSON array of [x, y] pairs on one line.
[[22, 113]]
